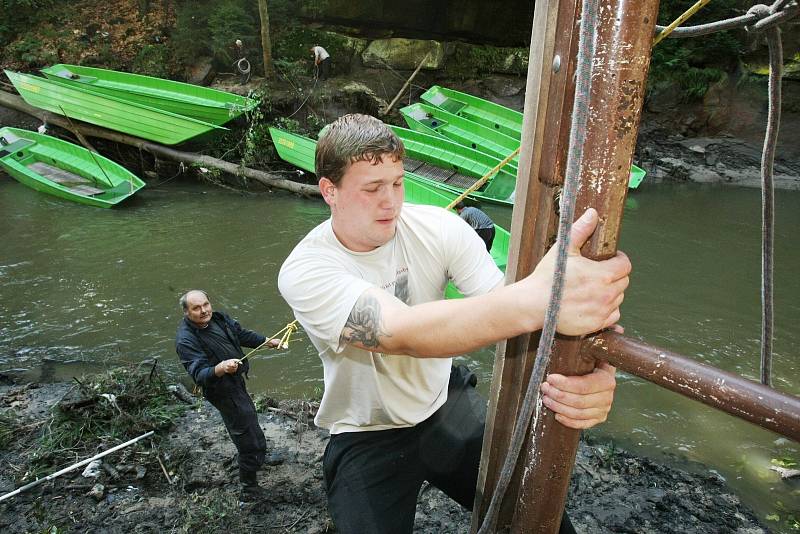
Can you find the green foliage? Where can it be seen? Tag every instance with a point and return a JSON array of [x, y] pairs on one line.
[[152, 60], [293, 43], [694, 64], [32, 51], [257, 137], [190, 38], [16, 16], [226, 23]]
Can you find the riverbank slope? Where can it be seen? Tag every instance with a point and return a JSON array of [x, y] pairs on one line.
[[611, 491]]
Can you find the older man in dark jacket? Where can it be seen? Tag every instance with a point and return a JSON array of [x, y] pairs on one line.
[[209, 345]]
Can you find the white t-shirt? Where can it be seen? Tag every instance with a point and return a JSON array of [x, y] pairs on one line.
[[320, 53], [322, 280]]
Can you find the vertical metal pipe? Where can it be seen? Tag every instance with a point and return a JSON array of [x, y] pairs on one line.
[[624, 37]]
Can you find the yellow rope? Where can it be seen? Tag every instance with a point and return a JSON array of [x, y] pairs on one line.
[[285, 333], [482, 181], [680, 20]]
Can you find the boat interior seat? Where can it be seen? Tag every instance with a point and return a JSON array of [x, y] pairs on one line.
[[461, 180], [14, 146], [86, 190], [411, 165], [59, 176]]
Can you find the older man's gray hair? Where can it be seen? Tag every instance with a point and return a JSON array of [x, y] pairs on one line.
[[185, 296]]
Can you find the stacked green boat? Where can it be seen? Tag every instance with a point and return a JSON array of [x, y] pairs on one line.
[[201, 103], [64, 170], [300, 151], [158, 110], [477, 123], [445, 164]]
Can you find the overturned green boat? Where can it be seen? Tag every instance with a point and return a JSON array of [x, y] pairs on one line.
[[108, 111], [201, 103], [496, 121], [299, 151], [64, 170], [452, 167]]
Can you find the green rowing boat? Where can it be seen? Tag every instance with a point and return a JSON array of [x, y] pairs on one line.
[[447, 165], [64, 170], [434, 121], [108, 111], [201, 103], [504, 120], [299, 151], [491, 116]]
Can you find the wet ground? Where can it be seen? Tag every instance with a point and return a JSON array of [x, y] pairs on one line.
[[611, 491]]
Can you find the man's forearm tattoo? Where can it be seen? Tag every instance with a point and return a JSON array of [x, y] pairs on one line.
[[364, 324]]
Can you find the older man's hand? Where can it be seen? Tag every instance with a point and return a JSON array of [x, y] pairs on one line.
[[227, 367]]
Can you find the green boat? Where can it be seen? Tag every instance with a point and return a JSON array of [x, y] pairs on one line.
[[64, 170], [299, 151], [201, 103], [492, 117], [108, 111], [434, 121], [445, 164], [504, 120]]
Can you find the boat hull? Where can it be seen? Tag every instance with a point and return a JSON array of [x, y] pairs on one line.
[[494, 122], [456, 167], [107, 111], [201, 103]]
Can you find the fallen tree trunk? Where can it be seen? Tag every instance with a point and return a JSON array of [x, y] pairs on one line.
[[16, 103]]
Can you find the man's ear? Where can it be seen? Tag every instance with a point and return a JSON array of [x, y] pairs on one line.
[[328, 190]]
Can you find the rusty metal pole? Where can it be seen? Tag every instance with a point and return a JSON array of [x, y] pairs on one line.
[[730, 393], [622, 57], [535, 500], [548, 95]]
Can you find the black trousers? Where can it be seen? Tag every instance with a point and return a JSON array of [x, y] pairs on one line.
[[487, 234], [324, 68], [373, 478], [240, 418]]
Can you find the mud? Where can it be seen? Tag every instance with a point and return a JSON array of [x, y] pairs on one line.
[[611, 491]]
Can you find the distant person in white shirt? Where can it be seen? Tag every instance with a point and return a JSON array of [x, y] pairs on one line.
[[322, 60]]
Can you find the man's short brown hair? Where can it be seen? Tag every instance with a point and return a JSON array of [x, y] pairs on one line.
[[353, 138]]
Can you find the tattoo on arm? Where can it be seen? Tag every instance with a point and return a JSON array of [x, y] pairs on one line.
[[364, 324]]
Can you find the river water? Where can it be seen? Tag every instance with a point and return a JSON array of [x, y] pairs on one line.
[[83, 289]]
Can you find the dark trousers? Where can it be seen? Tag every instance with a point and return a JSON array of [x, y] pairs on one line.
[[324, 68], [487, 234], [240, 418], [373, 478]]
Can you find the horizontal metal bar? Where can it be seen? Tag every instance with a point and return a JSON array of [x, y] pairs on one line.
[[742, 398]]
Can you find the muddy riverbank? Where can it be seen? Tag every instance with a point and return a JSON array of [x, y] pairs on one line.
[[611, 490]]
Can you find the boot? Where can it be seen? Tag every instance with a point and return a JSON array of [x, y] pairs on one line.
[[251, 491]]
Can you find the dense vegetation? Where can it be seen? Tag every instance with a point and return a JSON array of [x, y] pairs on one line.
[[172, 34]]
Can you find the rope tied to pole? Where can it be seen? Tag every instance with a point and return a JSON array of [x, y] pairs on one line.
[[580, 119]]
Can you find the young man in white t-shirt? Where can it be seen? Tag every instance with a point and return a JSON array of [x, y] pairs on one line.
[[367, 286]]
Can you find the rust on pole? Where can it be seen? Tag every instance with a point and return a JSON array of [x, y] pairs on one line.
[[622, 57], [553, 36], [730, 393], [535, 499]]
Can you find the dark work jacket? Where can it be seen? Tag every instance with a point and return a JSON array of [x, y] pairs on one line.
[[199, 359]]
